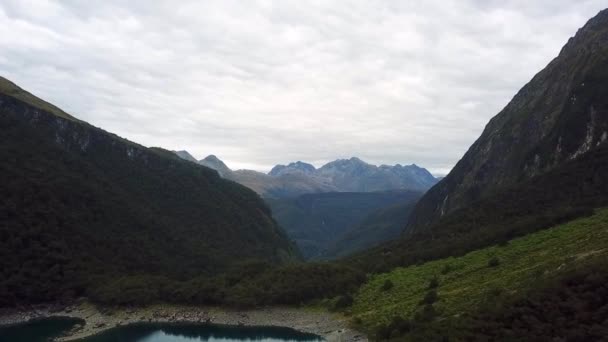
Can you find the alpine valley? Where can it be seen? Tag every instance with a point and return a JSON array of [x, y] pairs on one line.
[[325, 210], [511, 245]]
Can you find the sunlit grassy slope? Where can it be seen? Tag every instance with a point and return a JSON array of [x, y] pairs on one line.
[[465, 282]]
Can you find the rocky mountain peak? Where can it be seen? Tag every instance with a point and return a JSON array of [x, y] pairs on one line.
[[213, 162], [297, 167], [186, 156]]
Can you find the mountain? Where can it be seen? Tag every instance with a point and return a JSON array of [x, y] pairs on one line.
[[559, 116], [216, 164], [355, 175], [381, 225], [81, 207], [317, 222], [343, 175], [186, 156], [293, 168]]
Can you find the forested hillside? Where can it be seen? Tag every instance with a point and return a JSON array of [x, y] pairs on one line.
[[80, 206], [317, 222]]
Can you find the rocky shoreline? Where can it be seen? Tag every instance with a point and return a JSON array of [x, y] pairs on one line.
[[97, 319]]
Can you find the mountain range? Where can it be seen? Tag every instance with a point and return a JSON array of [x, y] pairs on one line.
[[342, 175]]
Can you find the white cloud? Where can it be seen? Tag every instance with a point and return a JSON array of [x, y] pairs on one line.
[[265, 82]]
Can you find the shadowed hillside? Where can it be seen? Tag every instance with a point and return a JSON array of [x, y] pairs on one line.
[[79, 204]]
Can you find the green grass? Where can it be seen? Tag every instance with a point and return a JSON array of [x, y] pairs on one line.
[[523, 263]]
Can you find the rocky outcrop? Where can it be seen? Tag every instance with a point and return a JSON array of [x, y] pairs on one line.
[[561, 114]]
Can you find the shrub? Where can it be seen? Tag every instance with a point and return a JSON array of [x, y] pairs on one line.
[[427, 314], [494, 262], [387, 285], [399, 325], [430, 297], [446, 269], [343, 302]]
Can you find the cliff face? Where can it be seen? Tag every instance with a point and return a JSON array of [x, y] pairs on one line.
[[561, 114]]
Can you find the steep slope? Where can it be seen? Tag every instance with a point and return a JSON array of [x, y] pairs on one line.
[[382, 225], [216, 164], [186, 156], [571, 190], [81, 206], [560, 115], [434, 300], [317, 221]]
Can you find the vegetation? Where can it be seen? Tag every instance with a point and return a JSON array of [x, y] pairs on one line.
[[558, 116], [11, 89], [81, 207], [471, 286], [380, 226], [317, 221], [251, 284], [388, 284], [567, 192], [573, 307]]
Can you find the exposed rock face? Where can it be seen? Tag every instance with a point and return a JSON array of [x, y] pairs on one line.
[[343, 175], [561, 114], [356, 175], [297, 168]]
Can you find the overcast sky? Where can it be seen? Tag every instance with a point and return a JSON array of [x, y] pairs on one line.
[[264, 82]]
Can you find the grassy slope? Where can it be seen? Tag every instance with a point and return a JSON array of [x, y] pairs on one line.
[[11, 89], [522, 262]]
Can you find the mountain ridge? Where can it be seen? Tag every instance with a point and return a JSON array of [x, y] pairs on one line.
[[559, 115], [341, 175], [82, 206]]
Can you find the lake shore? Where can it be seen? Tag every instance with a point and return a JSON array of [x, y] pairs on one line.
[[97, 319]]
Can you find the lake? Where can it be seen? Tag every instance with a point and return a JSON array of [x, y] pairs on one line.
[[43, 330]]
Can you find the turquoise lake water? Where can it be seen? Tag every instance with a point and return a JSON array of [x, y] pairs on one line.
[[43, 330]]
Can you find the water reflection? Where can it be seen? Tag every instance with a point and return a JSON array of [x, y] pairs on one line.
[[192, 333]]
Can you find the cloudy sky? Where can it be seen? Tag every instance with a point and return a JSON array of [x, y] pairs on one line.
[[265, 82]]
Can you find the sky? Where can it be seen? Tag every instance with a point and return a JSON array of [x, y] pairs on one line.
[[260, 83]]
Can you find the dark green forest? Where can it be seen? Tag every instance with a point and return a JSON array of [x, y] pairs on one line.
[[567, 192], [80, 206], [317, 222]]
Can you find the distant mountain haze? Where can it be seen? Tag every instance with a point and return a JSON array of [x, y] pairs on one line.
[[342, 175], [559, 116], [332, 224], [185, 155]]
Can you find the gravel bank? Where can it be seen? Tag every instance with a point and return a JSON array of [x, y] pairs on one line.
[[329, 326]]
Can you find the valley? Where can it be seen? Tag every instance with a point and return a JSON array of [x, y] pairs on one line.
[[104, 239]]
